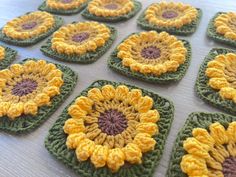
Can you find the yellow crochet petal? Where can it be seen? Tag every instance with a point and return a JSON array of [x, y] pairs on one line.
[[203, 137], [133, 96], [30, 107], [15, 110], [76, 112], [231, 132], [74, 140], [74, 126], [84, 103], [121, 92], [95, 94], [108, 92], [144, 141], [144, 104], [115, 159], [85, 149], [149, 128], [99, 156], [133, 154], [150, 116], [218, 132]]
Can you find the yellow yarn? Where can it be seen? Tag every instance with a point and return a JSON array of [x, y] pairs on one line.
[[2, 53], [91, 140], [57, 4]]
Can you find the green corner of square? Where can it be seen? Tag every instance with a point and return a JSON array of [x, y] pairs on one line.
[[205, 92], [86, 58], [137, 8], [31, 41], [195, 120], [116, 64], [27, 123], [44, 7], [56, 141], [10, 56], [211, 32], [184, 30]]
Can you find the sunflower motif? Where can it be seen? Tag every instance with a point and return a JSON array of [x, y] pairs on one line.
[[225, 25], [112, 125], [26, 87], [152, 52], [110, 8], [65, 4], [29, 25], [2, 53], [80, 38], [222, 75], [170, 14], [211, 153]]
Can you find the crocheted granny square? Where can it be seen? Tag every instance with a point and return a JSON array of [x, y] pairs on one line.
[[83, 54], [206, 92], [8, 57], [137, 7], [211, 32], [114, 135], [184, 30], [20, 41], [44, 7], [163, 73], [19, 112], [204, 146]]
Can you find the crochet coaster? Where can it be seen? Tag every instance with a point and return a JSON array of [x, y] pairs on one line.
[[137, 8], [89, 57], [195, 120], [56, 141], [116, 64], [184, 30], [44, 7], [27, 42], [27, 123], [205, 92], [211, 32], [10, 55]]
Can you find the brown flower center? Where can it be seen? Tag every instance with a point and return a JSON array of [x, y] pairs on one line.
[[169, 14], [111, 6], [229, 167], [29, 25], [24, 87], [151, 52], [112, 122], [80, 37]]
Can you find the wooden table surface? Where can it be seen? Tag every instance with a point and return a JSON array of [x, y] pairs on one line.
[[25, 155]]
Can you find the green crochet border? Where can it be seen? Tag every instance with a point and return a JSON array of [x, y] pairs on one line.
[[44, 7], [27, 123], [10, 56], [195, 120], [27, 42], [86, 58], [137, 8], [56, 141], [184, 30], [211, 32], [205, 92], [115, 63]]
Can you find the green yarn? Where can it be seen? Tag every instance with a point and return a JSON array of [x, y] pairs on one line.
[[56, 141], [44, 7], [208, 94], [27, 42], [184, 30], [10, 56], [85, 58], [116, 64], [27, 123], [211, 32], [195, 120], [137, 8]]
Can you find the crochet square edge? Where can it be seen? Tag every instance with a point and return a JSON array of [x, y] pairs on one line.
[[31, 41], [184, 30], [116, 64], [10, 55], [211, 32], [137, 8], [44, 7], [27, 123], [194, 120], [205, 92], [55, 142], [86, 58]]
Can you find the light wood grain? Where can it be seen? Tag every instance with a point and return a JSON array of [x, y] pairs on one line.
[[25, 156]]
